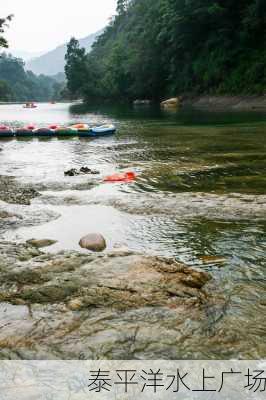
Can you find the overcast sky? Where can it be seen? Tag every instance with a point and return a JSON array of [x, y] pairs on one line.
[[41, 25]]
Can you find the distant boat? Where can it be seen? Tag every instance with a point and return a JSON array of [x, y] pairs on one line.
[[30, 105]]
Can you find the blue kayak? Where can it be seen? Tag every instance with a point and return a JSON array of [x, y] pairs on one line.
[[102, 130]]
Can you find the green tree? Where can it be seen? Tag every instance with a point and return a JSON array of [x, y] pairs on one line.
[[158, 48], [75, 68], [3, 25], [20, 85], [121, 7]]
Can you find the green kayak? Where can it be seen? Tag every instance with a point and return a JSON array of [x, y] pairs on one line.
[[66, 132]]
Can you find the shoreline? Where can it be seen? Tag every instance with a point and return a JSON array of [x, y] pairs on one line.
[[225, 103], [211, 103]]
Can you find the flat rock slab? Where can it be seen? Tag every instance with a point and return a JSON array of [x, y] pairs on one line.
[[186, 205], [119, 305]]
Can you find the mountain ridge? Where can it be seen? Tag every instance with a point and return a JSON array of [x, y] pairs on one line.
[[25, 55], [53, 62]]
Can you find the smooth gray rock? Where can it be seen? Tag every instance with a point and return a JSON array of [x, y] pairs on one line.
[[93, 242]]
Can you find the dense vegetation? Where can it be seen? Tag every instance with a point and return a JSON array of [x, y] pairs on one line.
[[16, 84], [3, 25], [158, 48]]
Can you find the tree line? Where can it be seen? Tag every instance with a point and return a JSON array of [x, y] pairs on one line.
[[157, 48], [16, 84]]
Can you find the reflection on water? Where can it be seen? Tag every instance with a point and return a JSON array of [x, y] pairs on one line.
[[172, 153]]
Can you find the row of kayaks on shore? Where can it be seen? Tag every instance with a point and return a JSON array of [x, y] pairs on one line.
[[82, 130]]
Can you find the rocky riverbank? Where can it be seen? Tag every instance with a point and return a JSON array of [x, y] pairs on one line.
[[217, 103], [118, 305], [220, 103], [112, 305]]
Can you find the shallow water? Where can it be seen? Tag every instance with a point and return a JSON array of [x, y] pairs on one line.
[[194, 171]]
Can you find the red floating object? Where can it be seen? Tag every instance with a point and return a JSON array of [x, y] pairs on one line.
[[123, 177], [31, 127], [53, 126], [3, 127]]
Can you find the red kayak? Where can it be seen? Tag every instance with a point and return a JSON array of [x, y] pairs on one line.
[[123, 177]]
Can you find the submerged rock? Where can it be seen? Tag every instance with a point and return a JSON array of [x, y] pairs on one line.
[[16, 216], [39, 243], [82, 171], [93, 242], [212, 259], [13, 192], [6, 214], [125, 306], [186, 205]]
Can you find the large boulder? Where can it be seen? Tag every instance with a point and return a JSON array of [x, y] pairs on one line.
[[93, 242], [174, 102]]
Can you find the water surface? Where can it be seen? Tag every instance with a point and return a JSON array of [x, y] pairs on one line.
[[201, 179]]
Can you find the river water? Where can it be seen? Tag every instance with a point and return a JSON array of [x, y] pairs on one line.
[[199, 196]]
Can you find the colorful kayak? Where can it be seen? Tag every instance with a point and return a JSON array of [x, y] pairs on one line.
[[63, 131], [43, 132], [5, 131], [103, 130], [80, 127], [81, 130], [24, 132]]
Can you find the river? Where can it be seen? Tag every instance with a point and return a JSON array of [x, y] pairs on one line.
[[198, 197]]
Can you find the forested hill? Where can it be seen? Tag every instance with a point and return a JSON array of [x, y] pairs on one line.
[[158, 48], [17, 84]]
